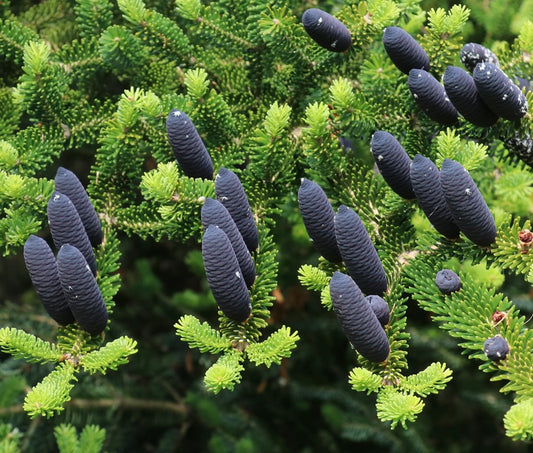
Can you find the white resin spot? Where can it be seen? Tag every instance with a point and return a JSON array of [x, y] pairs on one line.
[[238, 274], [319, 21], [468, 192], [177, 113]]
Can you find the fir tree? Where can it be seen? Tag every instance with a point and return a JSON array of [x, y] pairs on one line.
[[98, 78]]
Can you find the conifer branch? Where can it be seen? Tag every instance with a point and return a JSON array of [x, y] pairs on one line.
[[224, 373], [48, 397], [22, 345], [110, 356], [276, 347], [201, 335]]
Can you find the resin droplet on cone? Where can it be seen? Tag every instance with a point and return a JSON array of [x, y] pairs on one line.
[[188, 147], [393, 163], [425, 178], [327, 31], [67, 228], [431, 97], [470, 211], [463, 94]]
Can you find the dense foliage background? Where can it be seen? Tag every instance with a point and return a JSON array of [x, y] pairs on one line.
[[157, 402]]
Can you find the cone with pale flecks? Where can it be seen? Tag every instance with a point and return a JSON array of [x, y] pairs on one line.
[[327, 31], [463, 94], [393, 163], [498, 91], [496, 348], [188, 147], [431, 97], [470, 211], [358, 252], [231, 194], [67, 228], [81, 290], [224, 275], [473, 53], [68, 184], [425, 178]]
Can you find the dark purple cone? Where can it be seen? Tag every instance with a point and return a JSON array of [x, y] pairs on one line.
[[41, 264], [380, 308], [393, 163], [231, 194], [67, 228], [473, 53], [358, 252], [447, 281], [500, 94], [425, 178], [462, 92], [81, 290], [496, 348], [358, 321], [189, 149], [469, 210], [521, 146], [318, 215], [327, 31], [431, 97], [224, 275], [404, 50], [214, 213], [68, 184]]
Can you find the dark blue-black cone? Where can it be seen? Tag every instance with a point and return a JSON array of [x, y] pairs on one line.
[[500, 94], [473, 53], [380, 308], [463, 94], [214, 213], [393, 163], [42, 267], [189, 149], [327, 31], [224, 275], [81, 290], [447, 281], [358, 252], [425, 178], [358, 321], [318, 217], [68, 184], [496, 348], [431, 97], [230, 193], [404, 50], [67, 228], [469, 209]]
